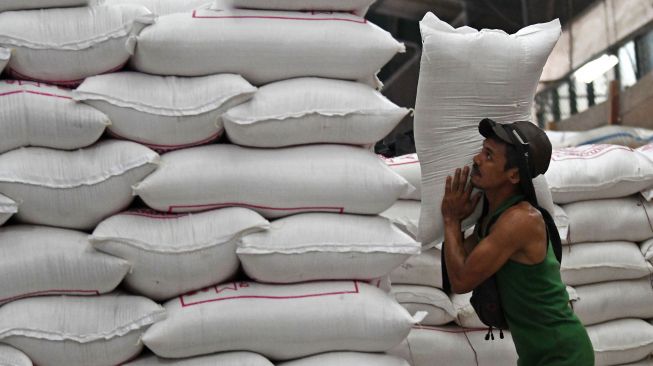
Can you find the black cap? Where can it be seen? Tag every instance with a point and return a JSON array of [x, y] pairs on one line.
[[525, 133]]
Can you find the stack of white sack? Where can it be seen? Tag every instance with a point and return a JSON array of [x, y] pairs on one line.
[[613, 134], [451, 102], [598, 189]]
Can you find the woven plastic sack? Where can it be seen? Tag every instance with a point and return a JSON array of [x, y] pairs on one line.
[[313, 110], [621, 341], [422, 269], [174, 254], [5, 55], [40, 260], [162, 7], [164, 112], [325, 246], [78, 331], [221, 359], [405, 215], [13, 357], [39, 4], [275, 183], [272, 320], [64, 46], [36, 114], [456, 91], [74, 189], [425, 298], [601, 302], [286, 44], [321, 5], [8, 208], [348, 359]]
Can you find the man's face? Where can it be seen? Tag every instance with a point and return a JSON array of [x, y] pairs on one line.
[[488, 170]]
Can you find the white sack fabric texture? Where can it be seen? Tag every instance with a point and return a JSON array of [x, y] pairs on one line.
[[425, 298], [325, 246], [348, 359], [272, 320], [41, 260], [647, 151], [8, 208], [220, 359], [456, 90], [647, 250], [586, 263], [174, 254], [405, 215], [162, 7], [627, 219], [408, 167], [621, 341], [275, 183], [5, 55], [324, 5], [429, 346], [164, 112], [422, 269], [74, 189], [36, 114], [78, 331], [605, 301], [561, 220], [39, 4], [63, 46], [597, 171], [313, 110], [13, 357], [289, 45]]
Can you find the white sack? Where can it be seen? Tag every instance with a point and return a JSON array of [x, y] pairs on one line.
[[450, 345], [5, 55], [408, 167], [324, 5], [279, 321], [74, 189], [621, 341], [605, 301], [405, 215], [424, 298], [632, 137], [597, 171], [561, 220], [467, 75], [348, 359], [325, 246], [467, 317], [162, 7], [647, 250], [164, 112], [39, 4], [313, 110], [648, 361], [647, 152], [220, 359], [174, 254], [275, 183], [264, 46], [422, 269], [7, 208], [586, 263], [35, 114], [78, 331], [612, 219], [63, 46], [40, 260], [10, 356]]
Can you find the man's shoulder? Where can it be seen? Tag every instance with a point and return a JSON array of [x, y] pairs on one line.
[[522, 218]]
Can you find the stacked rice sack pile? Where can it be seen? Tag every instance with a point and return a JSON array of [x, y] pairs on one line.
[[633, 137], [295, 200], [603, 192]]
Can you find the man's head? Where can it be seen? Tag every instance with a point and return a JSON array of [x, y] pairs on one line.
[[512, 153]]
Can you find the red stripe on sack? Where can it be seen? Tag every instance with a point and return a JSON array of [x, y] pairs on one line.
[[36, 93], [167, 148], [70, 83], [359, 21], [238, 204], [49, 292], [397, 164], [356, 290]]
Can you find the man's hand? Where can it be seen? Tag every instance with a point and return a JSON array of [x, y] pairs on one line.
[[458, 203]]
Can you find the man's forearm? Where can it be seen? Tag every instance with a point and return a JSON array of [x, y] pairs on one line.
[[455, 254]]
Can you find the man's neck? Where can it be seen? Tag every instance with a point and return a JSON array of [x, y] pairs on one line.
[[496, 197]]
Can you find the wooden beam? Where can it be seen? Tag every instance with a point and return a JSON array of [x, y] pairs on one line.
[[613, 103]]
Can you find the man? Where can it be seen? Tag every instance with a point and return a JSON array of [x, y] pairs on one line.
[[515, 246]]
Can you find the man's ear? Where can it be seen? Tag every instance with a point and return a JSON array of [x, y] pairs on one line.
[[513, 175]]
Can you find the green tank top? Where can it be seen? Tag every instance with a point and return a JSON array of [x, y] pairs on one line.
[[544, 328]]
